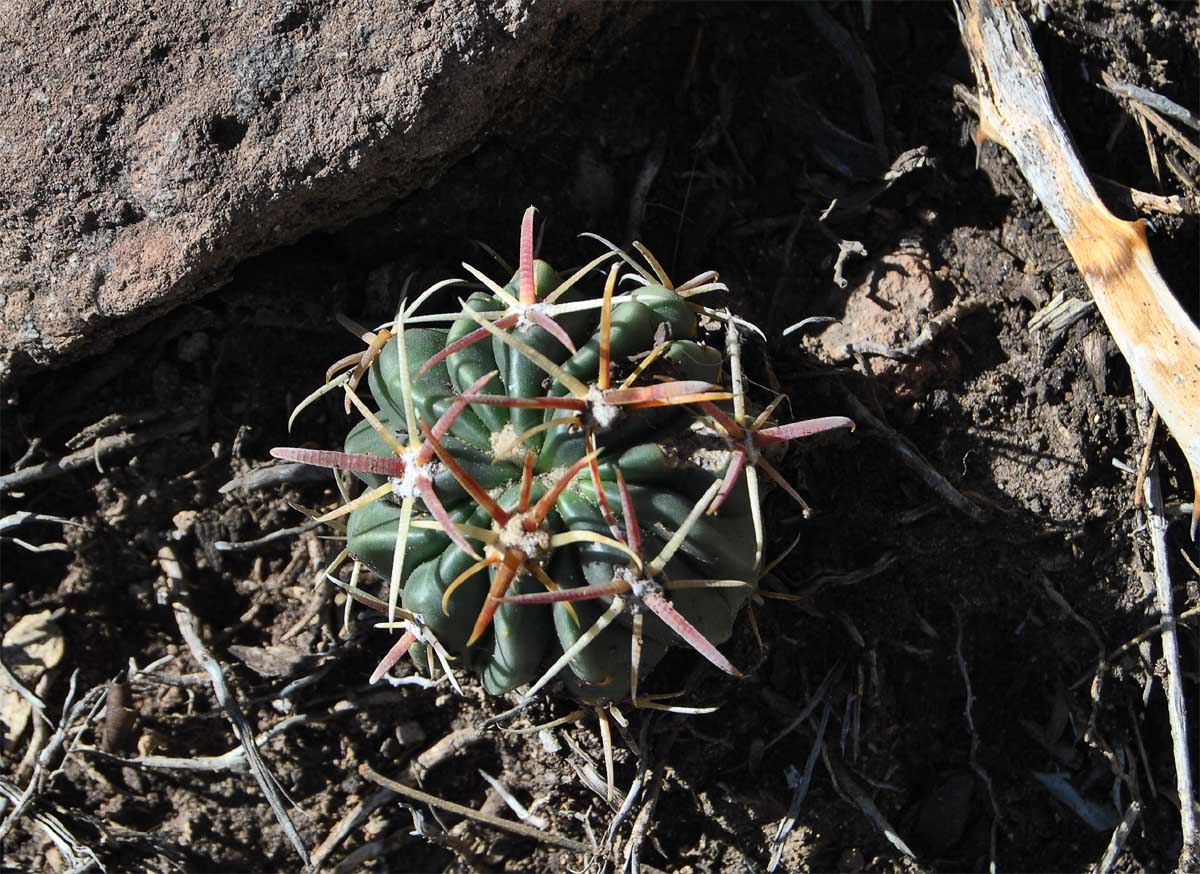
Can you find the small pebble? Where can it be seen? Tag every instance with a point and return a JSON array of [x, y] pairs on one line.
[[410, 733], [549, 742]]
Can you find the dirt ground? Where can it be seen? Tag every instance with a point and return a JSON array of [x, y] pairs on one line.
[[717, 135]]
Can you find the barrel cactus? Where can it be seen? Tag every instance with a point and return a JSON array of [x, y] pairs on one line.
[[559, 480]]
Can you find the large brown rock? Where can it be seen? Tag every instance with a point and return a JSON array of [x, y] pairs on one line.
[[146, 149]]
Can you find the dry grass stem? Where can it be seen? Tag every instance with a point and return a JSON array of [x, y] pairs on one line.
[[800, 785], [850, 786]]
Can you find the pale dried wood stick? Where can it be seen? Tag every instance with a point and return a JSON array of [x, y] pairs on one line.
[[508, 825], [1151, 329]]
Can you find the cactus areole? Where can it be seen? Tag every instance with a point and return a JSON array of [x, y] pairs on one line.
[[559, 478]]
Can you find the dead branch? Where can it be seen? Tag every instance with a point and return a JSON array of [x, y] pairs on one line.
[[103, 448], [1173, 686], [1150, 327], [189, 627], [112, 424], [74, 719], [909, 454], [1145, 201], [78, 855], [1117, 843]]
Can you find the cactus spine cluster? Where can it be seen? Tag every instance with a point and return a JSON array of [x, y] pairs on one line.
[[559, 479]]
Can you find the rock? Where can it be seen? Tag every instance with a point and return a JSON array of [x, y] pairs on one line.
[[272, 660], [149, 148], [899, 295], [888, 308], [32, 650]]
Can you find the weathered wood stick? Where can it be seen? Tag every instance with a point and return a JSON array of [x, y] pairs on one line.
[[1151, 329]]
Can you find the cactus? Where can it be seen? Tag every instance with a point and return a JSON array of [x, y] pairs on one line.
[[554, 472]]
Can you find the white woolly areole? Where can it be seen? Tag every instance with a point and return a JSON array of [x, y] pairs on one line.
[[638, 589], [504, 444], [416, 627], [627, 575], [522, 311], [406, 486], [534, 545], [752, 451], [713, 461], [602, 412]]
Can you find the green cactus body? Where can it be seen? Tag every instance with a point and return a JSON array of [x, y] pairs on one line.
[[648, 445], [554, 482]]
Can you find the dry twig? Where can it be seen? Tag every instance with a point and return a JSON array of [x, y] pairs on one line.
[[233, 760], [274, 536], [78, 855], [508, 825], [74, 719], [1117, 843], [969, 715], [1173, 686], [633, 846], [189, 627], [348, 823], [911, 457], [103, 448], [273, 475], [1146, 97], [441, 751]]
